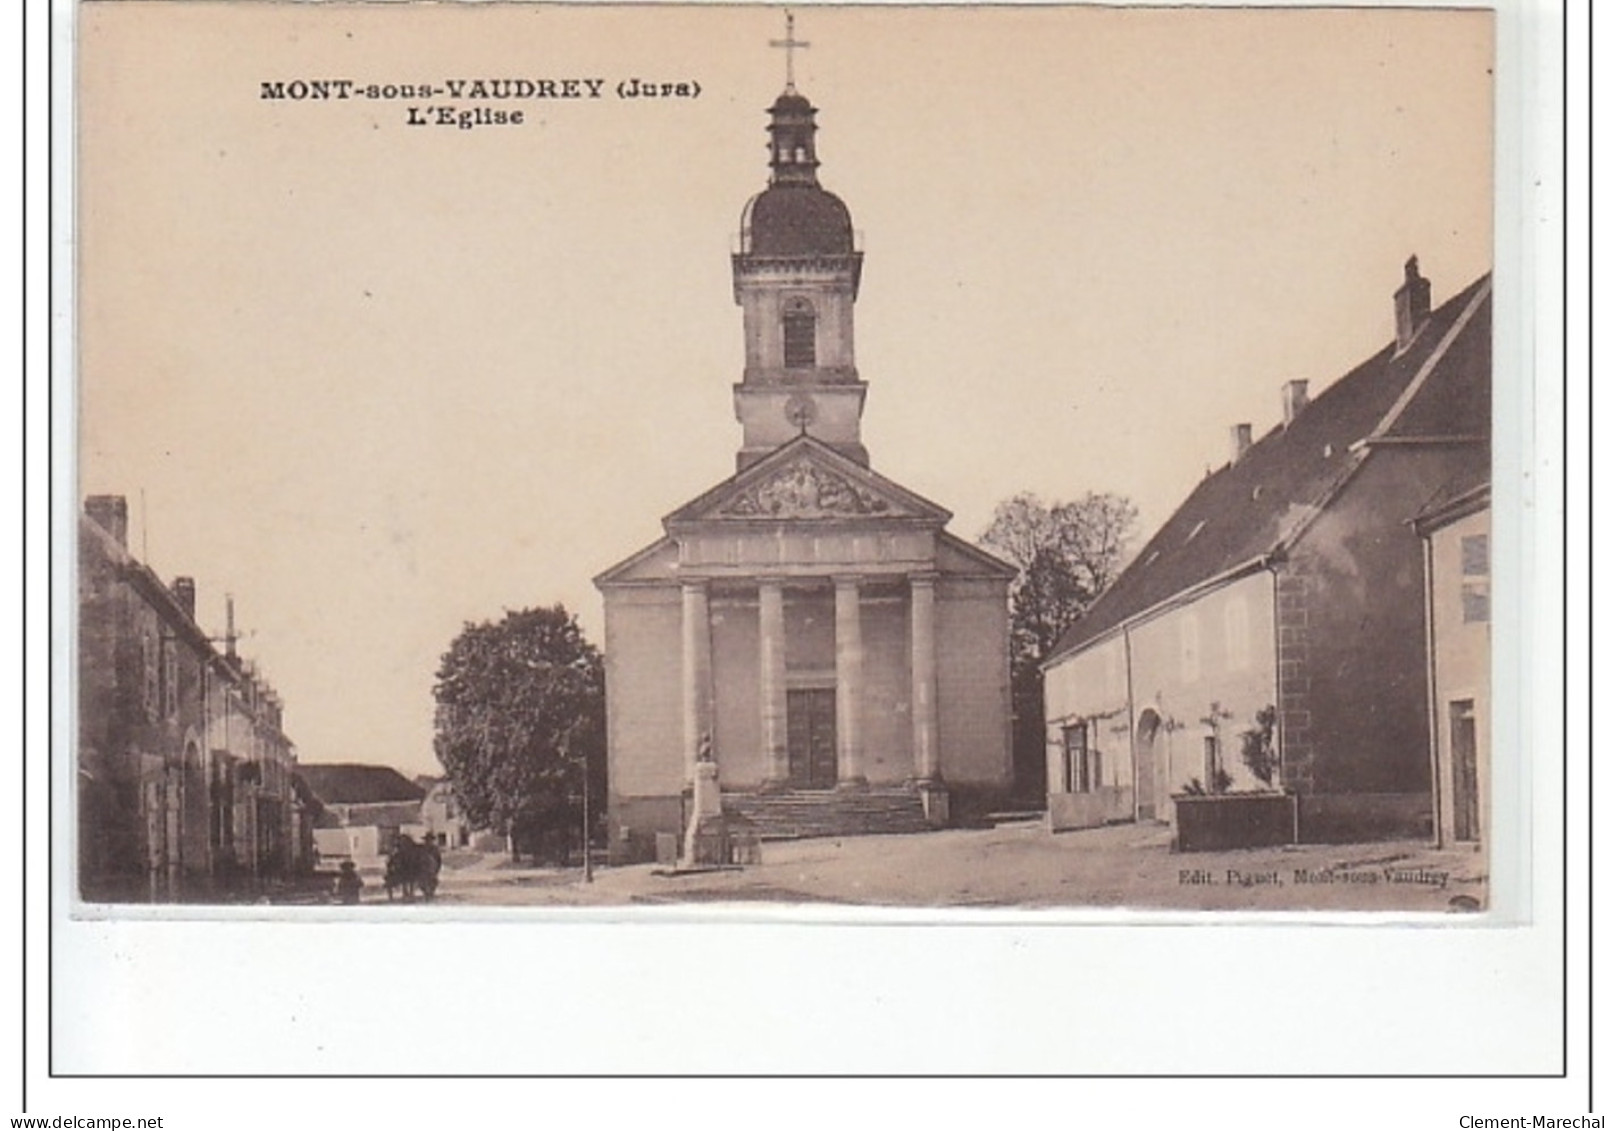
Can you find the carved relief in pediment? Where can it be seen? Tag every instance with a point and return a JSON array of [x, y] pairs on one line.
[[806, 490]]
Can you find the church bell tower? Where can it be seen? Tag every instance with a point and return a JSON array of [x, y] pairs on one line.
[[796, 279], [805, 637]]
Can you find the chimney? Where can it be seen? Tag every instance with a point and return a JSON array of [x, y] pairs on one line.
[[229, 626], [110, 513], [1240, 437], [1295, 399], [1412, 304], [184, 591]]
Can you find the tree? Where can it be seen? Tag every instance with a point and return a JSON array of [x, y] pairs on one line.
[[521, 708], [1067, 553]]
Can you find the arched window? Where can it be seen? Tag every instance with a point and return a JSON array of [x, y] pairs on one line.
[[800, 325]]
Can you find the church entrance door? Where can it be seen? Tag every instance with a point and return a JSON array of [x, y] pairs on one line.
[[810, 737]]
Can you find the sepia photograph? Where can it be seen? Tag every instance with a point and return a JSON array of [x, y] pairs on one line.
[[975, 458]]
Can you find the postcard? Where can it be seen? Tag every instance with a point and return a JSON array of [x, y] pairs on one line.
[[1029, 457]]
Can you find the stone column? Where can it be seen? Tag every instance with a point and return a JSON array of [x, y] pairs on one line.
[[697, 671], [771, 682], [849, 685], [922, 665]]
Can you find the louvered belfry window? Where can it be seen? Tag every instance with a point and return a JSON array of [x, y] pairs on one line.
[[799, 335]]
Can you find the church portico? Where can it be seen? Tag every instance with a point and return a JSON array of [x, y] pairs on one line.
[[810, 682], [807, 633]]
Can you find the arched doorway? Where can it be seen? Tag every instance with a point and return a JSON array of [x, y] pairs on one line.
[[1146, 758]]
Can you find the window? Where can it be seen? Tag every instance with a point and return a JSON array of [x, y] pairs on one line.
[[800, 324], [1076, 758], [1083, 763], [169, 692], [1476, 590], [150, 664]]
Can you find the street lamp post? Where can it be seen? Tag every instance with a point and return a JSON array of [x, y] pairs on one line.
[[583, 761]]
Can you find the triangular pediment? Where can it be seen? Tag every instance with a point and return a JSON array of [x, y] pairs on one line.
[[656, 563], [957, 558], [807, 481]]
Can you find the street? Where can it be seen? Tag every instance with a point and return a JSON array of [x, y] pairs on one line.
[[1016, 864]]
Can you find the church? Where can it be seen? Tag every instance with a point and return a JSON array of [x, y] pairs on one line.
[[808, 625]]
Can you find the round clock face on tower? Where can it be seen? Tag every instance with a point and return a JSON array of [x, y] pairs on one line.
[[801, 411]]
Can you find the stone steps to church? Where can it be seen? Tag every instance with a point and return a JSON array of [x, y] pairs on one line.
[[800, 815]]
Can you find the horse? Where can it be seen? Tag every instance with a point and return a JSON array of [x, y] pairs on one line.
[[412, 870]]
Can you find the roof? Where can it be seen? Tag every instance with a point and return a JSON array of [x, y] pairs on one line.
[[1467, 491], [795, 217], [958, 558], [796, 220], [791, 102], [1238, 517], [351, 783], [98, 540]]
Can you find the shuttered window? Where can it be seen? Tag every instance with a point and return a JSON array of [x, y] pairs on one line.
[[1476, 594], [800, 329]]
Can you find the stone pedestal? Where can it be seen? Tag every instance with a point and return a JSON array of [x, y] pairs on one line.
[[706, 841], [697, 673]]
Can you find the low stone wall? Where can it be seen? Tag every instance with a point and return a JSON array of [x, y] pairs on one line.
[[1233, 820], [1104, 806]]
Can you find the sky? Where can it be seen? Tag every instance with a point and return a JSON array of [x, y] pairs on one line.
[[378, 380]]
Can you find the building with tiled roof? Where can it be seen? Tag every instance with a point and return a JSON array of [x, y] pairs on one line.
[[1456, 527], [362, 808], [1288, 587], [185, 787]]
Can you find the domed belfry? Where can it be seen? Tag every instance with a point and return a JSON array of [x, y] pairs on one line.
[[796, 280], [806, 651]]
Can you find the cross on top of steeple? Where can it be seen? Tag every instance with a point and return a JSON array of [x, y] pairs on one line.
[[790, 43]]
